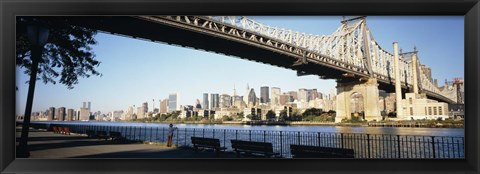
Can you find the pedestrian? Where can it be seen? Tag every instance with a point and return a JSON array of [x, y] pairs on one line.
[[171, 129]]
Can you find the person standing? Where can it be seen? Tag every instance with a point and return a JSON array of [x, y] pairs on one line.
[[171, 129]]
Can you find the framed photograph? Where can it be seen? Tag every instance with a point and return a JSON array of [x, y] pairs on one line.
[[331, 87]]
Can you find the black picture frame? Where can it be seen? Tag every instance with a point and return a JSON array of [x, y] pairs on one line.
[[9, 9]]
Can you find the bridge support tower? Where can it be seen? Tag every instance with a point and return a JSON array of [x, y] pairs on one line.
[[367, 89]]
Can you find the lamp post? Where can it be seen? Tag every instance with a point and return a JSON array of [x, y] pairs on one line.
[[37, 36]]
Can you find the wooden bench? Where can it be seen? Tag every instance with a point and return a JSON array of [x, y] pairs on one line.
[[116, 136], [252, 147], [302, 151], [210, 143], [102, 135], [55, 130], [66, 130]]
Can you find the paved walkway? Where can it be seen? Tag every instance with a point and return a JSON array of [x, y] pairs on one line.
[[43, 144]]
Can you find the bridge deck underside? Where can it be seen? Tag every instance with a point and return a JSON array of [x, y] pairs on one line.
[[143, 29]]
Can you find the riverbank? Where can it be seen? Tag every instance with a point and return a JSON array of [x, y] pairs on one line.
[[416, 123]]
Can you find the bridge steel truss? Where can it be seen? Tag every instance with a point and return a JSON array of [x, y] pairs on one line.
[[351, 48]]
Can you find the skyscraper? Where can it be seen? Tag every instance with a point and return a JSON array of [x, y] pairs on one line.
[[214, 101], [275, 96], [164, 106], [225, 101], [61, 114], [293, 95], [84, 114], [173, 102], [245, 97], [284, 99], [145, 107], [312, 94], [70, 115], [51, 113], [252, 98], [205, 104], [264, 95], [302, 94]]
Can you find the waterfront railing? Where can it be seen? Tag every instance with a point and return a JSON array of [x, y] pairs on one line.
[[364, 145]]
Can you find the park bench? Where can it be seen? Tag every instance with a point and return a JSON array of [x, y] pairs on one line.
[[102, 135], [90, 133], [252, 147], [64, 130], [207, 143], [116, 136], [55, 130], [302, 151]]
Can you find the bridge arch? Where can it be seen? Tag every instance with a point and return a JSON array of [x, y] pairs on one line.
[[357, 110], [359, 97]]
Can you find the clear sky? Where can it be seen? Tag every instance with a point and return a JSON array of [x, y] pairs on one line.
[[136, 71]]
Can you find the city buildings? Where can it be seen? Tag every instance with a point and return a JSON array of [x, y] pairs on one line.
[[417, 106], [61, 114], [164, 106], [275, 96], [214, 101], [205, 104], [51, 114], [173, 104], [264, 94]]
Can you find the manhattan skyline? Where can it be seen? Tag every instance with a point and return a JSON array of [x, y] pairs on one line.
[[136, 71]]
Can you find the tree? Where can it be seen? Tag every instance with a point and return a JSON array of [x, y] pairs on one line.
[[283, 115], [65, 57], [270, 114], [312, 112]]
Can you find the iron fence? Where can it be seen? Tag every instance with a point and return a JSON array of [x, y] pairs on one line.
[[364, 145]]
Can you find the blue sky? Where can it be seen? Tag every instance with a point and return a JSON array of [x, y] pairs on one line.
[[136, 71]]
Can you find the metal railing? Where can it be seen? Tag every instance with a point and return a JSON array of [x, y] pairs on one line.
[[364, 145]]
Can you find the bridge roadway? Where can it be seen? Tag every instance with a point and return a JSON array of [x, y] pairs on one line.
[[159, 29]]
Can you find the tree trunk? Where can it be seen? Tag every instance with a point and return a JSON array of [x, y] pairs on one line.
[[22, 150]]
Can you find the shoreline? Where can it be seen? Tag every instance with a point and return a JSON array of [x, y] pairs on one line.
[[308, 123]]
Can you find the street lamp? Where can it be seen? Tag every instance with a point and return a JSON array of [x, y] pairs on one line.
[[37, 36]]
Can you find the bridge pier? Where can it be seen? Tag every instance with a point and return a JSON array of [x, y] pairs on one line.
[[365, 96]]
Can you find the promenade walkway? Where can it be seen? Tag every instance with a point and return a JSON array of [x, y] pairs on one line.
[[43, 144]]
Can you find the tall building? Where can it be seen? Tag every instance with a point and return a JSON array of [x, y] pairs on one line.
[[164, 106], [251, 98], [129, 114], [173, 102], [312, 94], [145, 107], [205, 104], [85, 111], [293, 95], [225, 101], [61, 114], [140, 113], [275, 96], [284, 99], [51, 113], [70, 114], [84, 114], [214, 101], [116, 115], [302, 95], [245, 97], [264, 95]]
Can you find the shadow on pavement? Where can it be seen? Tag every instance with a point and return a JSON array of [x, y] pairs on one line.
[[168, 153]]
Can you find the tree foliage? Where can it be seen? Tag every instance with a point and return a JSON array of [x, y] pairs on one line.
[[67, 55], [270, 114]]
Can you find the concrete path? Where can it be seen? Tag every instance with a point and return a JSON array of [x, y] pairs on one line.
[[43, 144]]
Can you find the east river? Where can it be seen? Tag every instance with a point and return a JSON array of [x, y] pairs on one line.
[[451, 132]]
